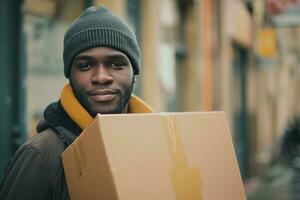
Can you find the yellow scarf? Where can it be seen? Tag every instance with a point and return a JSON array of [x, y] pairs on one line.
[[82, 118]]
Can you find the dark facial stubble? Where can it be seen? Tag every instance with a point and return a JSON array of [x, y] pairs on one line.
[[123, 101]]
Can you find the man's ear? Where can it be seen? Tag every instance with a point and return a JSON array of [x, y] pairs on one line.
[[134, 78]]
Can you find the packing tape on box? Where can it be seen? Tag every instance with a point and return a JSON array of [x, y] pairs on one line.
[[186, 180]]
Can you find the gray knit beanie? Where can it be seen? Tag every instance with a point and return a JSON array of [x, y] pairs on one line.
[[100, 27]]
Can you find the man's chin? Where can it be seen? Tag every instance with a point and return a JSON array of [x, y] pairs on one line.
[[117, 105], [107, 109]]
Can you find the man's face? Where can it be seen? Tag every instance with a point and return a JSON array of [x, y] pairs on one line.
[[102, 80]]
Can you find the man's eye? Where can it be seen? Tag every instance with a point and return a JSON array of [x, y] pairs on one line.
[[85, 66], [117, 65]]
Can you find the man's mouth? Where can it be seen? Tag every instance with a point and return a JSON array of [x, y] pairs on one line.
[[103, 95]]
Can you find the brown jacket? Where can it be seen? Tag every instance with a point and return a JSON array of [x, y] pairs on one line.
[[36, 171]]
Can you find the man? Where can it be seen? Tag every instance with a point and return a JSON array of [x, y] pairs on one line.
[[101, 60]]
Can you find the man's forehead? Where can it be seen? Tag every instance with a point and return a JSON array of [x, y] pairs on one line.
[[100, 52]]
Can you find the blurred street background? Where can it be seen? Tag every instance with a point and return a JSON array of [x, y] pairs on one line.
[[239, 56]]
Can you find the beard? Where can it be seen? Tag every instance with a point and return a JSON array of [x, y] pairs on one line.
[[123, 102], [93, 110]]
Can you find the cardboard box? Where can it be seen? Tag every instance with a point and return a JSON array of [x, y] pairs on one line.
[[183, 156]]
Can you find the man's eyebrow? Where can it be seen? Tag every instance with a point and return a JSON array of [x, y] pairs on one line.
[[117, 56], [109, 57], [82, 57]]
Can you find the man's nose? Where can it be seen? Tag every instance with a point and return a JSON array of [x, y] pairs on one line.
[[101, 75]]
